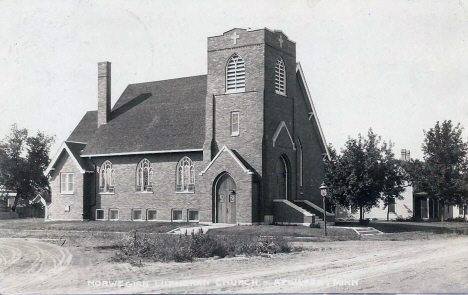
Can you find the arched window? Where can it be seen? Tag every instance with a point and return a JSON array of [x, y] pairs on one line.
[[106, 178], [235, 74], [144, 176], [280, 77], [185, 178]]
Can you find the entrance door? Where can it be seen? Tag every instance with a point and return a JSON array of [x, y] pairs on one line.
[[226, 200], [281, 179]]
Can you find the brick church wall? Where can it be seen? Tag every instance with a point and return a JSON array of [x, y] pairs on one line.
[[307, 131], [75, 200], [163, 198]]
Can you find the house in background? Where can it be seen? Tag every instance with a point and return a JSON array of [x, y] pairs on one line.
[[7, 200], [242, 144], [400, 209], [415, 203]]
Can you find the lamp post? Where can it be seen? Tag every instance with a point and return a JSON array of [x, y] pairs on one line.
[[323, 192]]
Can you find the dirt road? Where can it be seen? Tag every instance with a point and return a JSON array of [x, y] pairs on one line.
[[418, 266]]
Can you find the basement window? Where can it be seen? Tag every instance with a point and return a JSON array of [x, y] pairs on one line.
[[136, 215], [151, 214], [113, 214], [99, 214], [176, 215], [192, 215]]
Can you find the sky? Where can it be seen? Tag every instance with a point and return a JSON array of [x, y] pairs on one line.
[[397, 66]]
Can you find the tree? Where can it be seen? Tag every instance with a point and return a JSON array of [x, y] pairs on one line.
[[445, 167], [356, 178], [23, 161]]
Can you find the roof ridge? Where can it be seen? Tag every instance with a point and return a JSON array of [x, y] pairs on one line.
[[166, 80]]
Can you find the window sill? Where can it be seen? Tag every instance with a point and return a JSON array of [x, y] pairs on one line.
[[144, 192], [234, 135], [194, 220], [67, 193], [138, 220], [181, 220], [235, 91], [106, 193], [100, 219], [279, 93], [184, 192]]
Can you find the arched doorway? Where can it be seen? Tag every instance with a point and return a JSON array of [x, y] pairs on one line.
[[282, 178], [225, 199]]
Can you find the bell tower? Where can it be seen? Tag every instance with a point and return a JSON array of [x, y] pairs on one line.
[[241, 77]]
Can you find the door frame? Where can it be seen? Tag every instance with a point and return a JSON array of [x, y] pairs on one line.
[[287, 168], [215, 195]]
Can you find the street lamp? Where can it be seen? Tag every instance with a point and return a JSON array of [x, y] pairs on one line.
[[323, 192]]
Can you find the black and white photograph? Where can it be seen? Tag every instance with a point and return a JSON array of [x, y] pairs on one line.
[[234, 146]]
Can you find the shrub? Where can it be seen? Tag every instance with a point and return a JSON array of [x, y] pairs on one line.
[[314, 225], [188, 247]]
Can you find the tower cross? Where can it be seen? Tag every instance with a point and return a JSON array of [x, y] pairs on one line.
[[234, 37], [281, 41]]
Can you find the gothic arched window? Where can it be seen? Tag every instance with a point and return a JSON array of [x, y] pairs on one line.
[[144, 176], [280, 77], [106, 178], [235, 74], [185, 176]]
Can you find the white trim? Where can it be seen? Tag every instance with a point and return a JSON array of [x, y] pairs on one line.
[[188, 215], [77, 142], [309, 96], [67, 192], [143, 153], [278, 131], [57, 156], [225, 148]]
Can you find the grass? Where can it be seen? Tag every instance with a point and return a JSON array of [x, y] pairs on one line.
[[98, 226], [284, 231], [406, 226]]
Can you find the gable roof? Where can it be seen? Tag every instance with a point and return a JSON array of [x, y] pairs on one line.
[[230, 152], [154, 117], [313, 116], [73, 149], [85, 129]]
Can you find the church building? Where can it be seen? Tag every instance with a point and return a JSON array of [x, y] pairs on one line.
[[242, 144]]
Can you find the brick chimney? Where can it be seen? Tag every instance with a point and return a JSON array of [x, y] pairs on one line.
[[104, 92]]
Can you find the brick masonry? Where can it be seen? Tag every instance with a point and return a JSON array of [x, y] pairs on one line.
[[261, 112]]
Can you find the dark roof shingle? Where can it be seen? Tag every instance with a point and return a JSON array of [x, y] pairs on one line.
[[85, 130], [154, 116], [76, 148]]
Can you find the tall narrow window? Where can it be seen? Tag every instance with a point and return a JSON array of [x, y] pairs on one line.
[[300, 164], [185, 182], [66, 183], [144, 176], [280, 77], [235, 74], [106, 178], [235, 124]]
